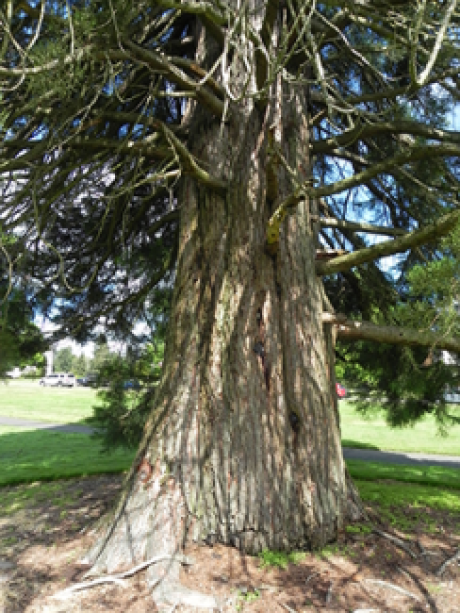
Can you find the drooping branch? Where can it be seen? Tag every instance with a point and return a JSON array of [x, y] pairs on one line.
[[162, 63], [419, 237], [413, 154], [360, 132], [190, 164], [331, 222], [348, 329]]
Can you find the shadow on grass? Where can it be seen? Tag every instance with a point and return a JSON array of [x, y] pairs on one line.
[[418, 473], [51, 453], [358, 444]]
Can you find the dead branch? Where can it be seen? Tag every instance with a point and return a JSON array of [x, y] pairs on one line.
[[329, 593], [285, 606], [310, 577]]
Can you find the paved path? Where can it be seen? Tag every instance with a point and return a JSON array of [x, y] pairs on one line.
[[401, 457], [41, 425], [368, 455]]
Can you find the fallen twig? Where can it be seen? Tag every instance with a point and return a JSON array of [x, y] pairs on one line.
[[398, 542], [287, 608], [449, 561], [366, 611], [393, 587], [329, 593], [310, 577], [118, 578]]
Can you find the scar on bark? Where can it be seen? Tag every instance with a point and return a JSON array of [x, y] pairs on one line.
[[259, 349], [145, 470]]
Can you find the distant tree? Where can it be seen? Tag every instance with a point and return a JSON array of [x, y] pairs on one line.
[[21, 341], [79, 365], [63, 360], [102, 354], [122, 412]]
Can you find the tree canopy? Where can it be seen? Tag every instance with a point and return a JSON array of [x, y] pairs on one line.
[[96, 101], [21, 341]]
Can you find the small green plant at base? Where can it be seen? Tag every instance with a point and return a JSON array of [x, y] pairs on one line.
[[433, 588], [358, 529], [280, 559], [246, 598]]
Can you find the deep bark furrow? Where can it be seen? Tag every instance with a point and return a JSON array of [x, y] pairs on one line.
[[248, 445]]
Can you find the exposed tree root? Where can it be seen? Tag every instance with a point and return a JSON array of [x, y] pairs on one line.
[[449, 561], [393, 587], [118, 578], [398, 542]]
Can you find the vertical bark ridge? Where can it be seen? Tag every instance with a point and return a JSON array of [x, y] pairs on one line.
[[246, 447]]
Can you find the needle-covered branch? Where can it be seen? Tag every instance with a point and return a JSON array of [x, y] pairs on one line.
[[431, 232], [351, 330]]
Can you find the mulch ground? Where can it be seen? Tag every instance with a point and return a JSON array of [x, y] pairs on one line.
[[41, 544]]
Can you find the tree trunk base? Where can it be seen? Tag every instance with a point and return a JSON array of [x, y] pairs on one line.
[[355, 508]]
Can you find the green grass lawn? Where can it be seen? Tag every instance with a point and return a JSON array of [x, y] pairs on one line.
[[425, 475], [28, 455], [374, 433], [29, 400], [41, 455]]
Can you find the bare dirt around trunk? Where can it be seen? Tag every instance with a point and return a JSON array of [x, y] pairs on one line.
[[46, 528]]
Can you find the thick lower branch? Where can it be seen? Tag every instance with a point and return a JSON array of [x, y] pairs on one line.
[[393, 335], [419, 237]]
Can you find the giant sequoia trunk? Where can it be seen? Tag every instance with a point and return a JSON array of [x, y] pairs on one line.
[[243, 444]]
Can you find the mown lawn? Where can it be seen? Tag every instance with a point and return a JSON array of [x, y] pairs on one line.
[[28, 455], [29, 400], [42, 455], [374, 433]]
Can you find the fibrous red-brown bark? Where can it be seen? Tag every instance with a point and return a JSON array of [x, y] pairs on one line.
[[243, 444]]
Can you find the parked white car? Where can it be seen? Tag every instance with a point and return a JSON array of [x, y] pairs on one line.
[[58, 380], [452, 396]]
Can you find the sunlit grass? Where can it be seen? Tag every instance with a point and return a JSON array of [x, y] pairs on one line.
[[416, 496], [29, 400], [374, 433], [43, 455], [426, 475]]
